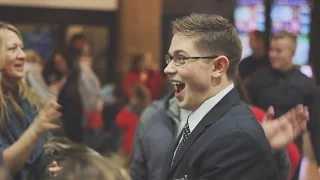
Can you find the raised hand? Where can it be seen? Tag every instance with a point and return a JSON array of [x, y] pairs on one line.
[[44, 122], [283, 130]]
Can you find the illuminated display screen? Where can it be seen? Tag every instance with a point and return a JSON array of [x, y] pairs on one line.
[[294, 16], [249, 15]]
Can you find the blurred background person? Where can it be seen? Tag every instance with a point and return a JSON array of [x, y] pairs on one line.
[[284, 86], [82, 98], [259, 58], [144, 70], [129, 116], [56, 71], [292, 150], [33, 75]]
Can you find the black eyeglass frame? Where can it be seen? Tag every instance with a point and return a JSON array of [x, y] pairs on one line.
[[169, 58]]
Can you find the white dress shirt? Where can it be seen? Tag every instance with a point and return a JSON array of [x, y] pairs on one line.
[[197, 115]]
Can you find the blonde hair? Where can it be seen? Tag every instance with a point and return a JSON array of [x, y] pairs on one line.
[[286, 35], [92, 167], [31, 56], [24, 91]]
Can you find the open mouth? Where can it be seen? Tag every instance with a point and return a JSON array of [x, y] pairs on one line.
[[19, 66], [179, 87]]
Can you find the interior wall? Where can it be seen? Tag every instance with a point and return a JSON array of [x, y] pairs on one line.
[[139, 31], [221, 7]]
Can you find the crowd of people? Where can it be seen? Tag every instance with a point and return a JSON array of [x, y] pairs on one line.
[[213, 117]]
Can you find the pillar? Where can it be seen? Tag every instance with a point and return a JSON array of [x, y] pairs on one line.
[[139, 31]]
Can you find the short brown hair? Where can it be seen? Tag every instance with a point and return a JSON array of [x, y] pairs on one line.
[[288, 35], [92, 167], [258, 34], [215, 36]]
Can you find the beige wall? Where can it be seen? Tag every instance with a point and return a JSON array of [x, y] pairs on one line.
[[109, 5], [139, 30], [221, 7]]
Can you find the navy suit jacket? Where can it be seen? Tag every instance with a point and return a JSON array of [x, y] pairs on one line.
[[227, 144]]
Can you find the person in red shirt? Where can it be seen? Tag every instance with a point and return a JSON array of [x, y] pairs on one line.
[[292, 149], [144, 71], [128, 117]]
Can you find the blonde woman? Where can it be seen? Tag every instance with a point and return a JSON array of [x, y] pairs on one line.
[[23, 129]]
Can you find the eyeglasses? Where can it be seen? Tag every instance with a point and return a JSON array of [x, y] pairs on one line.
[[180, 60]]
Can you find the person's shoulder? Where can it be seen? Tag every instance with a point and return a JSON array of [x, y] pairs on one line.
[[306, 82], [246, 60], [240, 117], [153, 111], [245, 63], [239, 122], [303, 77], [257, 112]]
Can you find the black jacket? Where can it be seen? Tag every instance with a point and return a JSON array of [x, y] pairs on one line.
[[227, 144], [284, 91]]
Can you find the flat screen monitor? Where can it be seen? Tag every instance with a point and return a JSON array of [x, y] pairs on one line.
[[294, 16], [249, 15]]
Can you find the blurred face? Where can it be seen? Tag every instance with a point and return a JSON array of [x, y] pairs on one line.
[[79, 44], [193, 79], [281, 54], [60, 63], [252, 41], [255, 43], [15, 58], [147, 61]]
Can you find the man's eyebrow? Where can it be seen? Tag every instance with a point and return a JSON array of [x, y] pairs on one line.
[[178, 52]]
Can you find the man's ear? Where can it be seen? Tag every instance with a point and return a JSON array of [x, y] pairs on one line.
[[220, 66]]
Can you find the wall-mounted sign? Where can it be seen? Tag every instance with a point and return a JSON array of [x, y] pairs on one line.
[[105, 5]]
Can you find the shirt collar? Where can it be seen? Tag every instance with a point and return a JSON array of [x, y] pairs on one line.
[[197, 115]]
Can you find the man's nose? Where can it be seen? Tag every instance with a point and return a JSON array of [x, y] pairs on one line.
[[170, 69]]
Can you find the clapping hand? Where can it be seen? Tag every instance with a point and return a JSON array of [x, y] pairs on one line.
[[45, 121], [283, 130]]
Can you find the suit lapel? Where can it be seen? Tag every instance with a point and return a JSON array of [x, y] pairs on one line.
[[210, 118], [168, 163]]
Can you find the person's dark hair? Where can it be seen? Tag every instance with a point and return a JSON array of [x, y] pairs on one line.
[[136, 62], [258, 34], [77, 37], [142, 94], [51, 67], [215, 36], [242, 89]]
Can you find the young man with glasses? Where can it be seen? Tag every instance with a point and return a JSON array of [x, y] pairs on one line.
[[219, 139]]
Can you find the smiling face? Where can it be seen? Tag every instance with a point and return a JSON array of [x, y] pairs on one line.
[[13, 67], [281, 54], [192, 80]]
